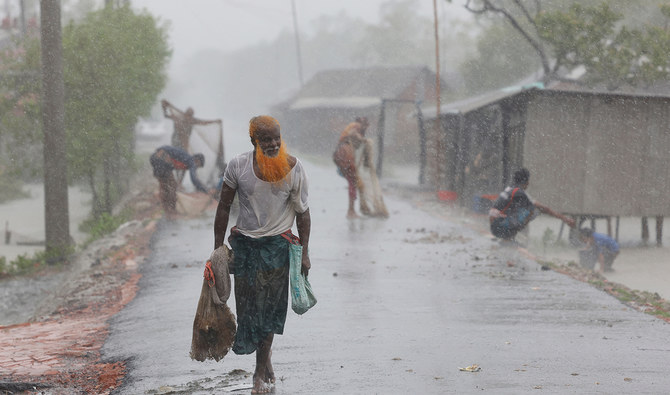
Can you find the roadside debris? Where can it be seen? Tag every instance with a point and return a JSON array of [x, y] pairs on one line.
[[472, 368]]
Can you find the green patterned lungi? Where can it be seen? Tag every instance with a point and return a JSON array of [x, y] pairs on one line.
[[261, 268]]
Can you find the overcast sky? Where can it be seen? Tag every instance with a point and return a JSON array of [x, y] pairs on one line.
[[233, 24]]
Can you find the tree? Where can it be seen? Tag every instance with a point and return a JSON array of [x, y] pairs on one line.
[[501, 59], [402, 37], [20, 117], [113, 69], [612, 55], [115, 64], [589, 34]]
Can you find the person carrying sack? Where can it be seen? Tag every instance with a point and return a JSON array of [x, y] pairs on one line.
[[514, 209], [271, 187]]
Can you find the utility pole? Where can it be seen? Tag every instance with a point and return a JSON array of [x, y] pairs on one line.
[[22, 11], [297, 41], [438, 122], [56, 211]]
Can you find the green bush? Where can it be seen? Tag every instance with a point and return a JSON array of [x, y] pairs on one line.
[[24, 264], [3, 266], [104, 224]]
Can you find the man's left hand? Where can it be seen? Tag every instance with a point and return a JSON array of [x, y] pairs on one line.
[[306, 265]]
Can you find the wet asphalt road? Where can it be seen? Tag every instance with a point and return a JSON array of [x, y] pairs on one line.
[[403, 303]]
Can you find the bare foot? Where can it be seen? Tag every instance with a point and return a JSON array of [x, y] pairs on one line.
[[260, 386], [352, 214]]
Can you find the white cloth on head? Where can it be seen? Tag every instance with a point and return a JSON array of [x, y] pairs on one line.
[[266, 208]]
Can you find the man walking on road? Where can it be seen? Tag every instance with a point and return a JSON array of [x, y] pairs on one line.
[[271, 187]]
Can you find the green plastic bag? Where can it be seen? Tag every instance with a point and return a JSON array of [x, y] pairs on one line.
[[302, 297]]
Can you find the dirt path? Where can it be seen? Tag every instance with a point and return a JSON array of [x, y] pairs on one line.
[[60, 347]]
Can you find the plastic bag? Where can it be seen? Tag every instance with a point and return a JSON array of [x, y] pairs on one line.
[[302, 297]]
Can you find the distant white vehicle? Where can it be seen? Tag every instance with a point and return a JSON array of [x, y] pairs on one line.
[[151, 129]]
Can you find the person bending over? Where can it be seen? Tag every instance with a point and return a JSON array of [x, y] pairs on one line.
[[166, 159], [514, 209]]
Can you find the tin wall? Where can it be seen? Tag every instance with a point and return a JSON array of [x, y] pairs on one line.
[[599, 154]]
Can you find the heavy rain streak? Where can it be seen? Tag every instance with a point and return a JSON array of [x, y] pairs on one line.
[[341, 197]]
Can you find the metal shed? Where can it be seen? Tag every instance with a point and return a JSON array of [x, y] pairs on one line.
[[479, 143], [599, 153], [590, 154]]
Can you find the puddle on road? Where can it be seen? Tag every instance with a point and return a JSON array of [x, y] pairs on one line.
[[231, 382]]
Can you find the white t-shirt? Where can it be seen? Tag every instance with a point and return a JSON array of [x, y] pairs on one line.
[[266, 208]]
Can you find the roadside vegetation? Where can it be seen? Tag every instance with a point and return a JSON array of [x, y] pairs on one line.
[[138, 206], [114, 67], [26, 265]]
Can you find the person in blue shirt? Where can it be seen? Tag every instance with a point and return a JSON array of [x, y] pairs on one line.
[[166, 159], [605, 248]]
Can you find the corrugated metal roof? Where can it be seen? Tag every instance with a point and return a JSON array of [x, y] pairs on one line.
[[382, 82], [659, 90], [358, 88], [467, 105], [335, 102]]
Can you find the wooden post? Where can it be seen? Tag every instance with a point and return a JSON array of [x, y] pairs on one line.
[[659, 231], [422, 144], [297, 41], [609, 226], [617, 228], [380, 138], [438, 104], [645, 230]]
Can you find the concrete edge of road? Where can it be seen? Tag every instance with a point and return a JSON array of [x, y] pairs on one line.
[[645, 301]]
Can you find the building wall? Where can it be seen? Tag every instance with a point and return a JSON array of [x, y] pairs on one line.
[[468, 153], [317, 130], [599, 154]]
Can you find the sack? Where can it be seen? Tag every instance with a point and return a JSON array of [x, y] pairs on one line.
[[214, 325], [302, 297], [369, 188]]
